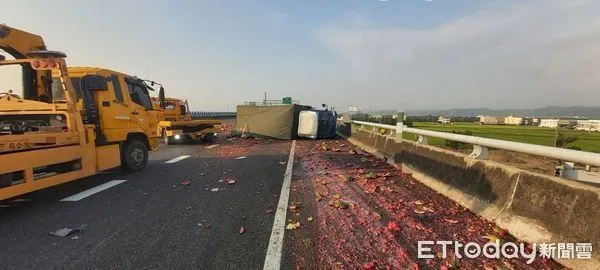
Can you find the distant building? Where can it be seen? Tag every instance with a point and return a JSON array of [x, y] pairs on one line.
[[511, 120], [588, 125], [490, 120], [553, 122], [549, 123], [444, 120], [567, 123]]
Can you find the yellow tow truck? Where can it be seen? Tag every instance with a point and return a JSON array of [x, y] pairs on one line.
[[177, 125], [68, 123]]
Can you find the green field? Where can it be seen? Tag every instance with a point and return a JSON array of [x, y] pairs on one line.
[[588, 141]]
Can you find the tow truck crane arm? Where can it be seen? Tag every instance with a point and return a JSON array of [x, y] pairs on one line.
[[19, 43]]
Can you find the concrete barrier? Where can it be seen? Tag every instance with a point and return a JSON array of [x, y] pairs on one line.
[[534, 207]]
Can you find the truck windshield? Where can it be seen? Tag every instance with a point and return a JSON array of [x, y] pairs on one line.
[[140, 95], [169, 106], [58, 93]]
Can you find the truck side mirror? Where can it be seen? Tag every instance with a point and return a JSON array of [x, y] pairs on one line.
[[161, 97]]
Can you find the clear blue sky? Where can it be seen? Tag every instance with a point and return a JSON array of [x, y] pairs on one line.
[[405, 54]]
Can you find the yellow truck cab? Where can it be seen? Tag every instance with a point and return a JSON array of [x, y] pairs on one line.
[[125, 106], [68, 123], [177, 124]]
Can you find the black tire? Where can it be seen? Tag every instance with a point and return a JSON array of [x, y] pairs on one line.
[[184, 139], [134, 155], [209, 138]]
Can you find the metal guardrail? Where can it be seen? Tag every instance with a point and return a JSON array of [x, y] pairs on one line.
[[269, 102], [480, 145], [200, 115]]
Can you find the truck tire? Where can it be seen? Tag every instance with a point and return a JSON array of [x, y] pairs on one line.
[[134, 155], [209, 138]]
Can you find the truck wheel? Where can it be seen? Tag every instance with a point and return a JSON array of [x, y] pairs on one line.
[[134, 155], [209, 138]]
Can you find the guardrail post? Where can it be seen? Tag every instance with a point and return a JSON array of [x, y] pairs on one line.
[[347, 118], [568, 171], [422, 140], [372, 132], [479, 152], [399, 125], [345, 127], [355, 128]]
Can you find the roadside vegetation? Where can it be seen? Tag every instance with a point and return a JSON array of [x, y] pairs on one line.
[[573, 139]]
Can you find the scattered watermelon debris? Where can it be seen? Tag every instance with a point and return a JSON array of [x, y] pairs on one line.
[[293, 226], [185, 182], [371, 214]]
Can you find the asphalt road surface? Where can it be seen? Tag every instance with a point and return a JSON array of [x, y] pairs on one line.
[[151, 220], [225, 206]]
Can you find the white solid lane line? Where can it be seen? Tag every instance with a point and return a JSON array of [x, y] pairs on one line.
[[273, 259], [92, 191], [179, 158]]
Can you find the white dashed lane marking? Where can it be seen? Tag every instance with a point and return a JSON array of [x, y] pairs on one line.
[[92, 191], [179, 158]]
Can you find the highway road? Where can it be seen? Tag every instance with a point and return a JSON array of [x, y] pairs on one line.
[[216, 207], [151, 220]]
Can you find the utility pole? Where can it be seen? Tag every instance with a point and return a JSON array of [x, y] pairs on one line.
[[556, 132], [558, 168], [265, 102]]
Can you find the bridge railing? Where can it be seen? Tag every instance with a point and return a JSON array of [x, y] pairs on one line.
[[481, 145], [202, 114]]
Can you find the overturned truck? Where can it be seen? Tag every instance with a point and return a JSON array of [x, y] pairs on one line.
[[275, 121]]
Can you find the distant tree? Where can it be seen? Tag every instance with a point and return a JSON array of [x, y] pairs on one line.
[[408, 123], [361, 117], [465, 119], [563, 140], [428, 118], [455, 144], [388, 120]]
